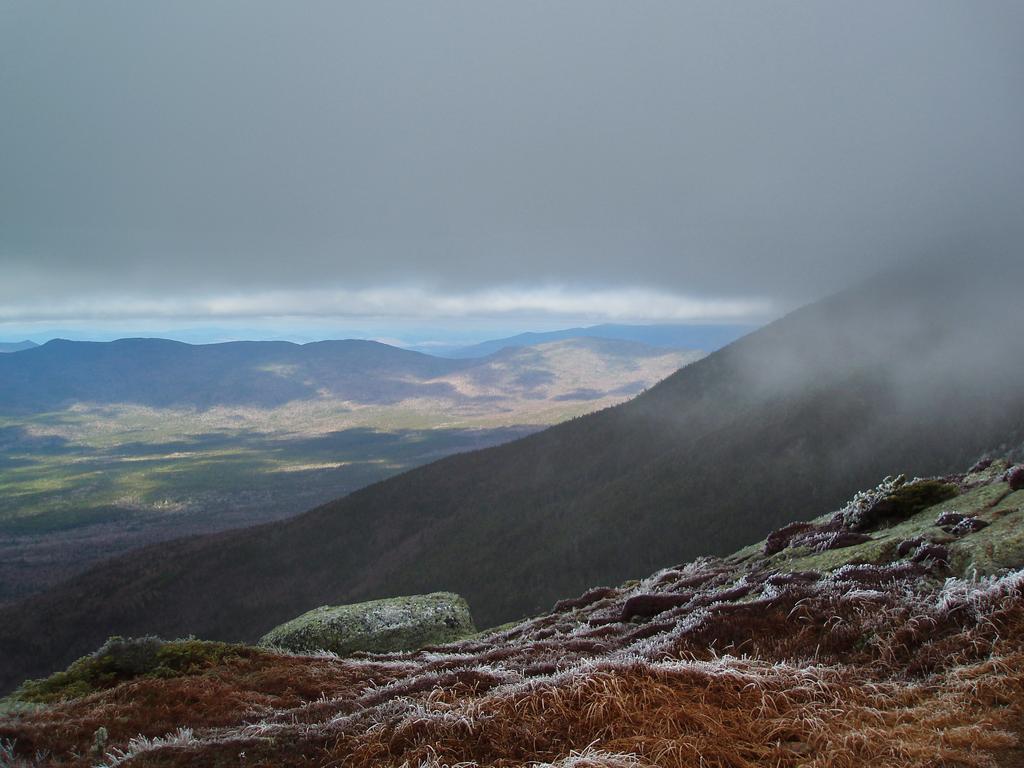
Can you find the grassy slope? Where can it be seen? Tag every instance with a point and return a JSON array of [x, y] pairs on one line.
[[850, 656]]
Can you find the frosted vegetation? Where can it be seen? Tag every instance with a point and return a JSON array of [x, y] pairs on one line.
[[903, 649]]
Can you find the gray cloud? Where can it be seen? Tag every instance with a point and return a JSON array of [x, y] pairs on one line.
[[762, 152]]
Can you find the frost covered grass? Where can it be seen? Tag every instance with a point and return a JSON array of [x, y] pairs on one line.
[[909, 677], [722, 662]]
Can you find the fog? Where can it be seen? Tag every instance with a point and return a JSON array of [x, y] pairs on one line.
[[576, 161], [930, 351]]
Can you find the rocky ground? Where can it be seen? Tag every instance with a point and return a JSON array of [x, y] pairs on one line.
[[890, 632]]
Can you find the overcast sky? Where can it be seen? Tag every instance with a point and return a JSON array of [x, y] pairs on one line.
[[539, 162]]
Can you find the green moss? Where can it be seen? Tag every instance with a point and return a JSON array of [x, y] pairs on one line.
[[900, 503], [120, 659], [1009, 502], [911, 498], [995, 548], [879, 550], [992, 473]]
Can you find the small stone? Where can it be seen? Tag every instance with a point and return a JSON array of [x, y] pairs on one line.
[[1015, 477], [907, 546], [645, 606], [980, 465], [948, 519], [968, 525], [933, 553]]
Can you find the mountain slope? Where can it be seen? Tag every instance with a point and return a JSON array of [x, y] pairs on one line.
[[857, 638], [703, 337], [788, 420], [105, 447]]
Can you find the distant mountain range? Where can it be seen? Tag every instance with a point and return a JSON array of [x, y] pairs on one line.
[[706, 338], [267, 374], [162, 373], [791, 419], [16, 346]]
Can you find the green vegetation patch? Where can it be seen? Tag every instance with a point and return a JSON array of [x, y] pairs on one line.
[[121, 659], [911, 498], [62, 471], [903, 501], [984, 552], [995, 548], [876, 551]]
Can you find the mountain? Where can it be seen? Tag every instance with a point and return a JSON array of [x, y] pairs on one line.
[[105, 447], [16, 346], [917, 371], [888, 632], [706, 338], [575, 369], [161, 373]]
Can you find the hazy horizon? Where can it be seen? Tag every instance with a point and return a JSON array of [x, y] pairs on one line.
[[420, 338]]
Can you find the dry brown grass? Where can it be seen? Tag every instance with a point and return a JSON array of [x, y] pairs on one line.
[[822, 674], [718, 664]]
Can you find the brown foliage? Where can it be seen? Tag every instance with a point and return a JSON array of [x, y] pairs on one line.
[[718, 663], [869, 665]]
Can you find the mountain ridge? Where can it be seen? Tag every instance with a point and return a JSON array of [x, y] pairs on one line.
[[16, 346], [167, 373]]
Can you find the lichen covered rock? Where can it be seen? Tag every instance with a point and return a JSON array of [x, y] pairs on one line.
[[378, 626]]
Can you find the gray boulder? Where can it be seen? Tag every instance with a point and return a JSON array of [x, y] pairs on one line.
[[379, 626]]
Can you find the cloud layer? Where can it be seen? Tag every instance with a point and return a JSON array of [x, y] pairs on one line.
[[458, 157], [405, 303]]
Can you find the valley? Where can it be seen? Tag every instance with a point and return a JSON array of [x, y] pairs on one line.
[[84, 480]]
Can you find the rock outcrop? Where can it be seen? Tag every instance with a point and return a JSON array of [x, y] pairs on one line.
[[378, 626]]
